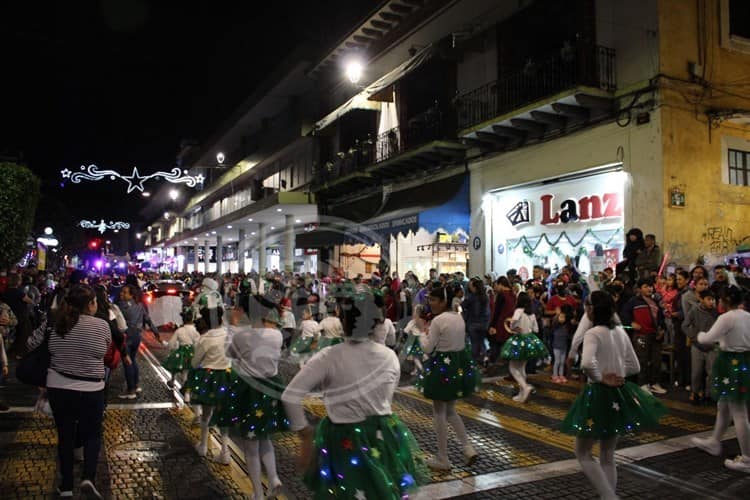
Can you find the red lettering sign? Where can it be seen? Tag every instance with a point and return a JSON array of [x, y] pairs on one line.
[[587, 208]]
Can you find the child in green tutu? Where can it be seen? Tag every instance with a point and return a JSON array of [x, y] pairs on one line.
[[730, 378], [523, 344], [361, 449], [608, 407], [449, 374], [182, 345]]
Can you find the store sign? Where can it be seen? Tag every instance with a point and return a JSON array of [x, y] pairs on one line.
[[393, 224], [585, 208]]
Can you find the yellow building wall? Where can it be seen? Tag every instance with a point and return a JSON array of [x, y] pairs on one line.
[[716, 216]]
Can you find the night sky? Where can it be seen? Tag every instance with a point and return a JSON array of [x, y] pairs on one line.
[[119, 83]]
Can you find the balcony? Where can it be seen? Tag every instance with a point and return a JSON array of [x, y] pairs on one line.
[[562, 92], [426, 142]]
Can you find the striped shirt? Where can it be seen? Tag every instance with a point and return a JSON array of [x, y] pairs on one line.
[[80, 354]]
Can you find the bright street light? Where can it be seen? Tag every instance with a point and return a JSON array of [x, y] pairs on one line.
[[173, 194], [354, 71], [220, 158], [47, 230]]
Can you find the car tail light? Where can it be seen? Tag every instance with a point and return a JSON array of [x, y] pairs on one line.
[[171, 291], [149, 298]]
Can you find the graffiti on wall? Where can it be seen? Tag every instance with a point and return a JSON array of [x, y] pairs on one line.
[[721, 239]]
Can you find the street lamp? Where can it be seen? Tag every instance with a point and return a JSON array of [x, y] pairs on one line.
[[354, 71], [173, 194], [220, 158], [47, 230]]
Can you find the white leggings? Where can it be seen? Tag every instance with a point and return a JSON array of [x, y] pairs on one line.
[[603, 475], [558, 370], [738, 414], [518, 372], [257, 451], [444, 414], [205, 417]]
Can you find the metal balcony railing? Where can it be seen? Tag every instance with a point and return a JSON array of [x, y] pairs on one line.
[[419, 130], [583, 64]]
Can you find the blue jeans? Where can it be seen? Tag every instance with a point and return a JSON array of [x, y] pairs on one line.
[[476, 336], [131, 371], [78, 417]]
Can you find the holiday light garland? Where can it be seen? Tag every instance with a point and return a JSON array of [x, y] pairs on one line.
[[135, 180], [527, 244], [103, 226]]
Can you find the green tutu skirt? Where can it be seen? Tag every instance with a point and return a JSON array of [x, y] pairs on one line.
[[207, 386], [730, 376], [301, 345], [179, 359], [522, 347], [252, 407], [415, 349], [448, 376], [602, 412], [324, 342], [376, 459]]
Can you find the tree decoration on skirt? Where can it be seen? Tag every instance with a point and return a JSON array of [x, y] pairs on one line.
[[324, 342], [601, 411], [522, 347], [301, 345], [730, 377], [251, 408], [179, 359], [448, 376], [207, 386], [135, 180], [358, 460], [102, 226]]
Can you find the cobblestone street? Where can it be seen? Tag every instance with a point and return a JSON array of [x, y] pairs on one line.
[[149, 448]]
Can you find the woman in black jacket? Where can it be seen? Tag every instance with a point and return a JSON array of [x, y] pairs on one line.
[[476, 312]]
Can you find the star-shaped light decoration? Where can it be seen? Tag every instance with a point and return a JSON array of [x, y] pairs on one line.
[[375, 453], [447, 361], [590, 422], [735, 362], [346, 443], [616, 406], [360, 495], [66, 173], [135, 180], [460, 372], [259, 413], [274, 403], [460, 394], [725, 381], [251, 434]]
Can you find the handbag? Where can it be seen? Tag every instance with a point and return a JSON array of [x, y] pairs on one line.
[[32, 369], [112, 356]]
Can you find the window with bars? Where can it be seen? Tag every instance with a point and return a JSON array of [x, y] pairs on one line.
[[739, 167]]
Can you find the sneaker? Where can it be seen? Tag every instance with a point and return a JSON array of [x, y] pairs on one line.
[[223, 458], [88, 490], [646, 388], [439, 464], [740, 464], [128, 395], [525, 393], [657, 389], [201, 449], [470, 454], [78, 454], [138, 390], [3, 407], [64, 494], [274, 488], [709, 445]]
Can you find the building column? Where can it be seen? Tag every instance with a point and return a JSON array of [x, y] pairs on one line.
[[206, 257], [262, 249], [219, 255], [289, 242], [195, 257], [241, 245]]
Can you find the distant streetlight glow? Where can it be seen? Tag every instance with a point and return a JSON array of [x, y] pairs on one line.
[[47, 230], [220, 158], [354, 71], [145, 194], [173, 194]]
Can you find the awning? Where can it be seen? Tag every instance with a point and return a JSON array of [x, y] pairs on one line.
[[362, 100], [438, 206]]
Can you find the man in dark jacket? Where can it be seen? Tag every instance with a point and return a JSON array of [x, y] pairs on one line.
[[646, 319], [648, 260]]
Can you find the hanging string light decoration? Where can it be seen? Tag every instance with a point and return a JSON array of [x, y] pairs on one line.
[[135, 180], [103, 226]]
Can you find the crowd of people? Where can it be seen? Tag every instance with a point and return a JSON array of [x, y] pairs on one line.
[[354, 339]]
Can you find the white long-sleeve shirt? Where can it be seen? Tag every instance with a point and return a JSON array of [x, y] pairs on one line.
[[184, 335], [608, 350], [584, 325], [526, 323], [384, 333], [332, 327], [731, 331], [210, 350], [358, 380], [309, 328], [447, 333], [255, 352]]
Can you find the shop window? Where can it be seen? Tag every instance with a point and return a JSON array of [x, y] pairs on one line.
[[739, 167], [735, 25], [369, 268]]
